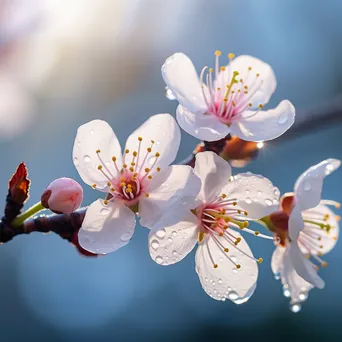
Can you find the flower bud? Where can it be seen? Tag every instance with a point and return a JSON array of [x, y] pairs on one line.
[[62, 196]]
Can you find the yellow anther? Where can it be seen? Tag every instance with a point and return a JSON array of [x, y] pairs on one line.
[[99, 167], [135, 174], [152, 141], [260, 106], [257, 75], [241, 80], [233, 103], [147, 169], [321, 246], [105, 202], [122, 179], [249, 68], [158, 169], [246, 87], [129, 185], [124, 166], [256, 233], [245, 224], [324, 264], [338, 218], [129, 190], [307, 256], [94, 186], [238, 239], [234, 203], [131, 169], [231, 55], [245, 92], [149, 177], [320, 254], [98, 151], [250, 105], [114, 159], [260, 260], [218, 89], [319, 238], [223, 195], [338, 205], [246, 213], [112, 189], [135, 153], [122, 184], [211, 70], [326, 217], [147, 195], [127, 151], [220, 234], [223, 68], [149, 149], [109, 183], [215, 265], [157, 154], [132, 163], [238, 266], [223, 211], [218, 53], [140, 138]]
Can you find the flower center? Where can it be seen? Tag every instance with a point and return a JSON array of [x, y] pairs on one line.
[[133, 179], [227, 96], [219, 219]]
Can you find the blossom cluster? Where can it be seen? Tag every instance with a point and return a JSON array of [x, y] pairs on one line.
[[206, 205]]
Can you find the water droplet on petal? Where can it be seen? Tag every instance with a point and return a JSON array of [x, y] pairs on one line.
[[307, 185], [268, 201], [174, 233], [248, 200], [159, 260], [169, 94], [276, 192], [232, 295], [303, 296], [286, 291], [161, 233], [235, 270], [169, 239], [76, 162], [259, 192], [104, 211], [174, 253], [277, 276], [87, 159], [220, 281], [295, 307], [283, 118], [155, 244], [126, 237]]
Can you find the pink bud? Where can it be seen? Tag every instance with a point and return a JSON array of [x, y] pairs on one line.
[[62, 196]]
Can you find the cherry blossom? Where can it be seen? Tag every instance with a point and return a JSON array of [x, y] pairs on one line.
[[138, 181], [224, 262], [228, 99]]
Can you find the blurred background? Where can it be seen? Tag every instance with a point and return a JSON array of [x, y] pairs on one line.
[[63, 63]]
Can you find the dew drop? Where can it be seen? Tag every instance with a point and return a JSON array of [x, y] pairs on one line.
[[87, 159], [169, 239], [174, 233], [206, 279], [76, 162], [159, 260], [259, 192], [220, 281], [169, 94], [155, 244], [286, 291], [268, 201], [235, 270], [232, 295], [295, 307], [174, 253], [277, 276], [126, 237], [307, 185], [248, 200], [161, 233], [104, 211], [283, 118], [276, 192], [303, 296]]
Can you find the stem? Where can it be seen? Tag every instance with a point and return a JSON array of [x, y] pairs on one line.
[[19, 220]]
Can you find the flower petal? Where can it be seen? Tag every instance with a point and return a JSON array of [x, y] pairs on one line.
[[163, 130], [277, 261], [201, 126], [296, 223], [91, 137], [106, 228], [264, 125], [265, 83], [182, 79], [173, 243], [254, 193], [304, 267], [226, 281], [214, 173], [328, 239], [172, 193], [308, 187], [297, 287]]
